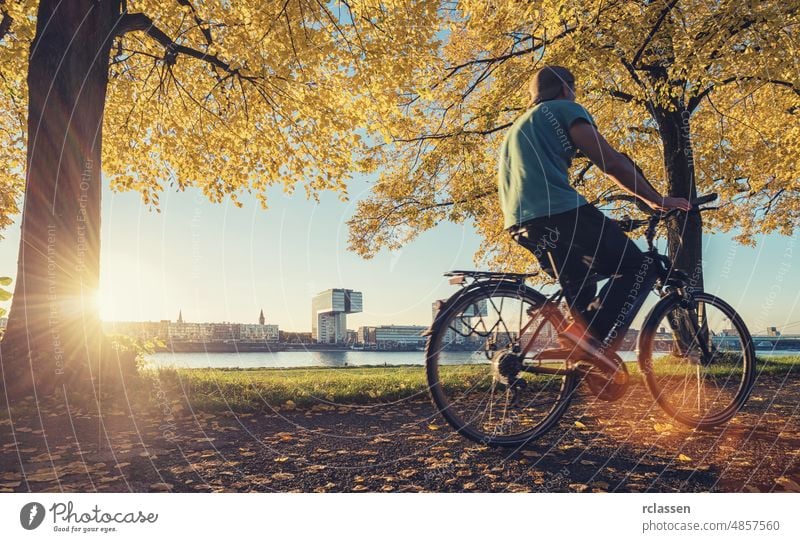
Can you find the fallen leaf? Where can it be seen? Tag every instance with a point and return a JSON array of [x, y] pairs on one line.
[[684, 458], [580, 426], [517, 488], [788, 484], [161, 486], [662, 427], [578, 488]]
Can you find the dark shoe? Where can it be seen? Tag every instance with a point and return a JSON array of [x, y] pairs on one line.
[[575, 335]]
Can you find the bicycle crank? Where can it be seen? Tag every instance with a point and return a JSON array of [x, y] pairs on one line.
[[603, 384]]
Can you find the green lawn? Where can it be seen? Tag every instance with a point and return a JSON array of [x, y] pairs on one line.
[[248, 390]]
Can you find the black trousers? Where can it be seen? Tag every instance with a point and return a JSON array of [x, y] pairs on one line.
[[580, 247]]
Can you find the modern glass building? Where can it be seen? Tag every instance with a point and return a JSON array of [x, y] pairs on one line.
[[329, 310]]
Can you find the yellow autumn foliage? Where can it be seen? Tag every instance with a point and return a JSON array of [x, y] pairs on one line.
[[728, 71], [301, 92]]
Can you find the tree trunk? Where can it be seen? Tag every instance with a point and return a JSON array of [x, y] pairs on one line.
[[685, 232], [53, 337]]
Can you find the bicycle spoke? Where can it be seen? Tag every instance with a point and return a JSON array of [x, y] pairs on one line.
[[495, 399], [696, 382]]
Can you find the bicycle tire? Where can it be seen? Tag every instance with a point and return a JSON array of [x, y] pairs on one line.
[[658, 381], [434, 354]]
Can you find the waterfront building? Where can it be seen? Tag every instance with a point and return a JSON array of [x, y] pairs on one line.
[[294, 337], [329, 310], [258, 333], [196, 332], [366, 335], [388, 337], [458, 333]]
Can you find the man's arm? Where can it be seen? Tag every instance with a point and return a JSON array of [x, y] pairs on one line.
[[620, 168]]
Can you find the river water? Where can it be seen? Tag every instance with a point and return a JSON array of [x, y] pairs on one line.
[[348, 358]]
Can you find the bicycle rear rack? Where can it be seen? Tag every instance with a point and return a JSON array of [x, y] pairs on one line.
[[458, 276]]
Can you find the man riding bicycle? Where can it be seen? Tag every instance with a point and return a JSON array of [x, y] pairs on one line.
[[571, 238]]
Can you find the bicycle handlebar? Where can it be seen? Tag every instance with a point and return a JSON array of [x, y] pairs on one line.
[[630, 224], [696, 203]]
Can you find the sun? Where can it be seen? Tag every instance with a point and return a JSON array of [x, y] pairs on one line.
[[104, 302]]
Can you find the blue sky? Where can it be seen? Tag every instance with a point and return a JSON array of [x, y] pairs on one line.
[[217, 262]]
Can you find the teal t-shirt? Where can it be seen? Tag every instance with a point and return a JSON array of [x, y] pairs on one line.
[[534, 161]]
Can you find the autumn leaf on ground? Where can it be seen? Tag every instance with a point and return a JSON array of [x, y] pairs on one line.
[[788, 484], [684, 458], [161, 486]]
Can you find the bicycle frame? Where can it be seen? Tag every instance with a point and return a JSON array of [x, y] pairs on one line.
[[669, 282]]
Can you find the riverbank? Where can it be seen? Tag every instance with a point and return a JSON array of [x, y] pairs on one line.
[[266, 389], [237, 347]]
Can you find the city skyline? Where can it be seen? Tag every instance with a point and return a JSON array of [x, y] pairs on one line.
[[773, 331]]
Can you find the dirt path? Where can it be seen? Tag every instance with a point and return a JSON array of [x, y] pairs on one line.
[[625, 446]]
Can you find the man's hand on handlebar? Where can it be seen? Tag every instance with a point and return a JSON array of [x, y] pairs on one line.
[[667, 204]]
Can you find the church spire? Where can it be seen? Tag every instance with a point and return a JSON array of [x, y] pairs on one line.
[[180, 316], [261, 317]]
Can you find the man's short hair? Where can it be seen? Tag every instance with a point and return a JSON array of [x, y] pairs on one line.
[[547, 82]]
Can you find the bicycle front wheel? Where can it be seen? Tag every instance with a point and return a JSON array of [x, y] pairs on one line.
[[697, 358], [477, 371]]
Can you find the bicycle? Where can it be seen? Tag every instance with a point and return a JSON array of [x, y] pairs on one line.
[[498, 376]]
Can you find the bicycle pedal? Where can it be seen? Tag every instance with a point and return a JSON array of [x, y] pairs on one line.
[[605, 386], [621, 378]]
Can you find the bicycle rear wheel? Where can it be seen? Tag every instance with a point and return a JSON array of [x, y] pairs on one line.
[[476, 372], [698, 359]]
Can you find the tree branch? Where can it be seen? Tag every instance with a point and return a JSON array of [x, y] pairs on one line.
[[133, 22], [621, 96], [206, 31], [695, 101], [5, 24], [653, 31], [502, 58], [447, 135]]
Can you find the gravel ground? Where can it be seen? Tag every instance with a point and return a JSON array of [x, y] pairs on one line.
[[626, 446]]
